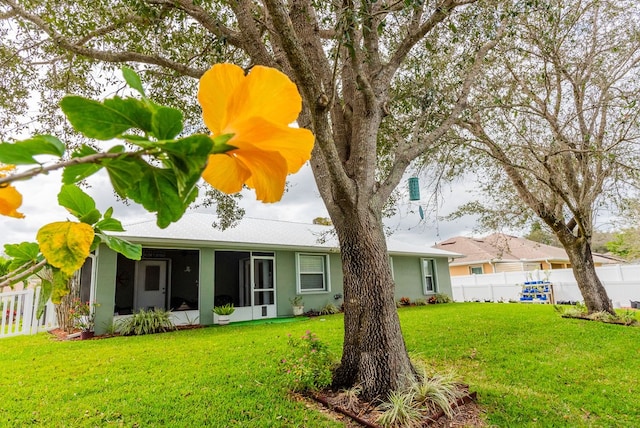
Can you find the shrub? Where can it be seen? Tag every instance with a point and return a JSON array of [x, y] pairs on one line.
[[146, 322], [421, 302], [399, 411], [442, 298], [437, 392], [329, 309], [309, 364], [405, 301]]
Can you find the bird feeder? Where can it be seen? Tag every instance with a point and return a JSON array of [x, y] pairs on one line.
[[414, 189]]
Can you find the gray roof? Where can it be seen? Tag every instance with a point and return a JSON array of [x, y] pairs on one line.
[[196, 229]]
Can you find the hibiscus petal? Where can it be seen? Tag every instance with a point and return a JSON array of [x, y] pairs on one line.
[[266, 93], [294, 144], [10, 201], [226, 173], [217, 85], [268, 173]]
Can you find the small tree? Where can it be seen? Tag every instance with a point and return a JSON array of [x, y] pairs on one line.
[[556, 121]]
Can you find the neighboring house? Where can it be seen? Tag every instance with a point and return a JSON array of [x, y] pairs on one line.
[[504, 253], [258, 266]]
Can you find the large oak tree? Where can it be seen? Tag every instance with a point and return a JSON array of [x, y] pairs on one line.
[[361, 66]]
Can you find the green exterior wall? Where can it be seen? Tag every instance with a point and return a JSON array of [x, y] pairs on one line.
[[207, 291], [407, 274], [105, 291]]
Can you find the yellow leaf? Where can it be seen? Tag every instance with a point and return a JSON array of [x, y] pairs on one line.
[[65, 244]]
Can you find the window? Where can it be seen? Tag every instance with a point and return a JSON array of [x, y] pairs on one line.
[[393, 276], [429, 276], [312, 273], [476, 270]]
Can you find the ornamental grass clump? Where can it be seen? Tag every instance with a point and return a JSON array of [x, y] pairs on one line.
[[309, 364], [424, 397], [146, 322]]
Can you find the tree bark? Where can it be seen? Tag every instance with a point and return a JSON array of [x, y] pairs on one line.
[[374, 354], [593, 292]]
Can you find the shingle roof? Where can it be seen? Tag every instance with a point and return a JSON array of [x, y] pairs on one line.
[[197, 229], [501, 247]]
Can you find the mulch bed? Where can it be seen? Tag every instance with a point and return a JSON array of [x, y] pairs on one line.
[[356, 413], [75, 335]]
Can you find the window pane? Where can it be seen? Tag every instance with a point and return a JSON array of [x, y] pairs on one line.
[[429, 283], [311, 264], [311, 281], [152, 278]]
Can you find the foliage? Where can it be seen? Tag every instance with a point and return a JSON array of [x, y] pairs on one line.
[[557, 139], [329, 309], [437, 392], [83, 314], [227, 309], [399, 410], [579, 310], [146, 322], [308, 366], [404, 301], [296, 301], [626, 243], [442, 298]]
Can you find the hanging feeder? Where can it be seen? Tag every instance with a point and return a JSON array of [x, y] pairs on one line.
[[414, 189]]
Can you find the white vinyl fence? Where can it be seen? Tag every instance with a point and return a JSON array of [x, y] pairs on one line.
[[18, 313], [622, 283]]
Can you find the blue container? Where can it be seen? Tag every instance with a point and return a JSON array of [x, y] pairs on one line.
[[414, 189]]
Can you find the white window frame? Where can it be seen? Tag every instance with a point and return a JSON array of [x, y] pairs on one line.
[[471, 268], [326, 276], [434, 276], [393, 275]]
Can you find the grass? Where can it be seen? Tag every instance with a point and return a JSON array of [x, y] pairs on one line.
[[529, 366]]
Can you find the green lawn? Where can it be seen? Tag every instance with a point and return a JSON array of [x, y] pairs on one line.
[[528, 365]]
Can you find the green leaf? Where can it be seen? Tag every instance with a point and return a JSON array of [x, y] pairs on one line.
[[126, 248], [166, 122], [78, 203], [74, 173], [94, 119], [124, 174], [133, 79], [188, 158], [23, 152], [45, 294], [22, 253], [157, 192], [109, 225], [60, 286], [108, 213], [138, 113]]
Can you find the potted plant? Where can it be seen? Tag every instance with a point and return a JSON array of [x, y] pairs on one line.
[[84, 318], [224, 313], [298, 305]]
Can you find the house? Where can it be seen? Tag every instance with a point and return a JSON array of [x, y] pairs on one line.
[[190, 267], [504, 253]]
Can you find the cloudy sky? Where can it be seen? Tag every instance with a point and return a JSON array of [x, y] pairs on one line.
[[301, 203]]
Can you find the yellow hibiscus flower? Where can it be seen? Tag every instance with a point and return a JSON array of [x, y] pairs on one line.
[[10, 198], [257, 109]]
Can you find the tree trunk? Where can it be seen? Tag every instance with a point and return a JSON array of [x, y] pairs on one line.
[[374, 354], [593, 292], [63, 309]]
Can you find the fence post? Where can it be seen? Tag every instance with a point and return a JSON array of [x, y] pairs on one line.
[[27, 311]]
